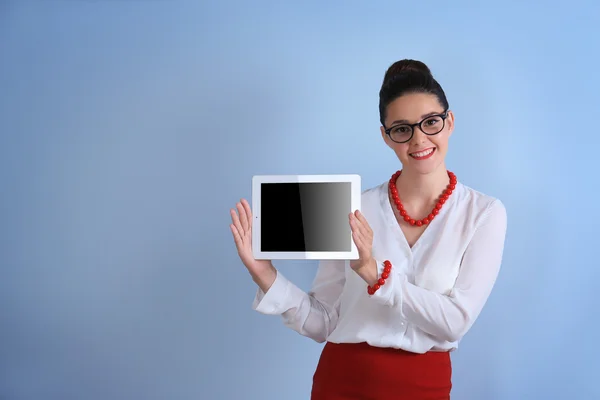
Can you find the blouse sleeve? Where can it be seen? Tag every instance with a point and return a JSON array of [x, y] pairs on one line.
[[313, 314], [450, 316]]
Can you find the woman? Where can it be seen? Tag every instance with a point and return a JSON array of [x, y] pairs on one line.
[[430, 250]]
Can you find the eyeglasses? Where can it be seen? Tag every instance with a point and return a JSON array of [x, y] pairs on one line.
[[431, 125]]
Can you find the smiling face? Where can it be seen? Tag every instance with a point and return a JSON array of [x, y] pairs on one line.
[[422, 153]]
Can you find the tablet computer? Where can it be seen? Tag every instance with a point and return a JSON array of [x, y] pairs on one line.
[[304, 217]]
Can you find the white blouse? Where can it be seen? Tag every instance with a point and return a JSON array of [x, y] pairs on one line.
[[434, 293]]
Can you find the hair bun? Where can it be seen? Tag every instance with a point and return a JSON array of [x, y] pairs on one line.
[[406, 66]]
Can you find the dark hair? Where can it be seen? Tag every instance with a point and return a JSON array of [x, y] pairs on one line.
[[404, 77]]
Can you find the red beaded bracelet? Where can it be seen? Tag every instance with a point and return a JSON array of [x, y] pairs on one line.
[[387, 267]]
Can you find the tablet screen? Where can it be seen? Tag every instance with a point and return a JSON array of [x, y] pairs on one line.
[[303, 217]]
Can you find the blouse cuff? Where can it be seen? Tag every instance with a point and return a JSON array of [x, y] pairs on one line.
[[390, 293], [272, 302]]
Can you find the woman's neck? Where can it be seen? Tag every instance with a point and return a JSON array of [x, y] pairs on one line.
[[418, 191]]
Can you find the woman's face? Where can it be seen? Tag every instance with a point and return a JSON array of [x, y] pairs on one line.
[[422, 153]]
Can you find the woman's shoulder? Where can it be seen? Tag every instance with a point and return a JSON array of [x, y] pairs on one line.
[[372, 201], [374, 190], [372, 195], [477, 203], [470, 194]]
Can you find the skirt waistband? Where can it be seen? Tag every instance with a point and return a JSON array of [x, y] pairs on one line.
[[359, 370]]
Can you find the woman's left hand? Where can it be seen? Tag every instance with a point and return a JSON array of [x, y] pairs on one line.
[[363, 238]]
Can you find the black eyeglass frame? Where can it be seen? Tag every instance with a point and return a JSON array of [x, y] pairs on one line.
[[443, 115]]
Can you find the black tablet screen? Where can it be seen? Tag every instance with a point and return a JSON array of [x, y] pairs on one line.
[[305, 216]]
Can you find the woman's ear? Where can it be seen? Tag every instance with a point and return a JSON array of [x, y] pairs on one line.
[[450, 123], [385, 137]]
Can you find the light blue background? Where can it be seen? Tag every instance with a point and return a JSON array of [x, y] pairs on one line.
[[129, 128]]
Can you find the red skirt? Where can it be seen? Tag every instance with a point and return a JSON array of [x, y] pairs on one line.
[[361, 371]]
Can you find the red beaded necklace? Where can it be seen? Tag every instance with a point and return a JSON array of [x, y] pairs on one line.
[[420, 222], [387, 265]]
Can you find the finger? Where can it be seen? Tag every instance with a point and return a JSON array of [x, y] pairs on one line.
[[352, 220], [358, 240], [243, 217], [236, 221], [361, 218], [365, 232], [361, 239], [357, 226], [248, 211], [353, 217], [354, 226], [362, 250], [236, 236], [357, 220]]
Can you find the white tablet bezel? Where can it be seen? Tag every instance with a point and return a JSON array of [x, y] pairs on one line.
[[355, 202]]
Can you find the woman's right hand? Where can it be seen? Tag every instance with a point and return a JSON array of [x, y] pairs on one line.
[[263, 272]]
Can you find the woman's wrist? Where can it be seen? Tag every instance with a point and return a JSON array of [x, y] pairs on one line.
[[265, 277], [368, 271]]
